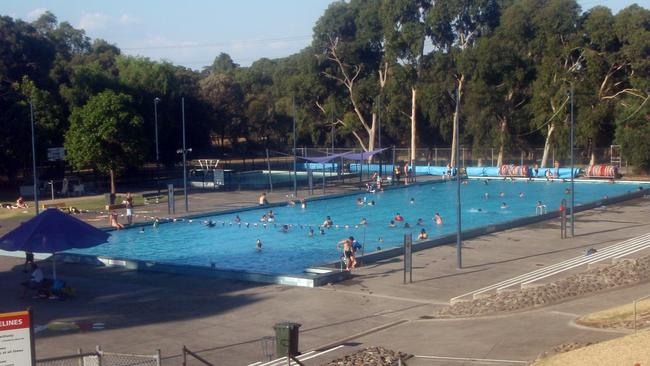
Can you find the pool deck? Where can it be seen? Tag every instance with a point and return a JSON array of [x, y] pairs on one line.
[[224, 321]]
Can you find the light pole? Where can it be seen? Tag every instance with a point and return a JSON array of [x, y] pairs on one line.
[[187, 209], [459, 244], [31, 113], [295, 174], [156, 100], [572, 167]]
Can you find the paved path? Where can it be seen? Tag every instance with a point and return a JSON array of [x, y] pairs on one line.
[[224, 321]]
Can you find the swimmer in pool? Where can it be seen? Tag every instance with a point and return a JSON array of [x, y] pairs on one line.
[[420, 222], [210, 223], [363, 221], [423, 235], [501, 194], [486, 196], [412, 200], [311, 232], [437, 218], [328, 222], [371, 203], [398, 217], [258, 245], [322, 231], [391, 223], [360, 201], [504, 205], [237, 219], [156, 222], [142, 230], [285, 228], [407, 225], [303, 204], [521, 194]]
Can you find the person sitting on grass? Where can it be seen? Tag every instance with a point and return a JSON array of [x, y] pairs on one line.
[[20, 203]]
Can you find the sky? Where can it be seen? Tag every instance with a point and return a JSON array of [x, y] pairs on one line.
[[193, 32]]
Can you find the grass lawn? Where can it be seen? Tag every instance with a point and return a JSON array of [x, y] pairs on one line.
[[623, 314], [90, 203]]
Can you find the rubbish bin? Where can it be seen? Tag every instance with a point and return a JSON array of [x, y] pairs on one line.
[[286, 339], [110, 198]]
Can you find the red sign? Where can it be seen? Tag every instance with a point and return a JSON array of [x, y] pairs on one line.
[[11, 321], [17, 346]]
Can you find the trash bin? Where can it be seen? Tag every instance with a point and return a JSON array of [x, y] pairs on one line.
[[110, 198], [286, 339]]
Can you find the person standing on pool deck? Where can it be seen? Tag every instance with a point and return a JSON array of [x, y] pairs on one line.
[[346, 245], [128, 204], [262, 200]]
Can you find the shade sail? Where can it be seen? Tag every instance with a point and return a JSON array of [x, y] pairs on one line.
[[322, 159], [362, 155]]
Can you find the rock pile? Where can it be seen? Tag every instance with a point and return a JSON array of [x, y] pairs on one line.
[[376, 356], [625, 272]]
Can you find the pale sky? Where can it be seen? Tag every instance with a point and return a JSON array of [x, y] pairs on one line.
[[193, 32]]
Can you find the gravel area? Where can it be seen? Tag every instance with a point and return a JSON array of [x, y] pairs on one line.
[[377, 356], [625, 272]]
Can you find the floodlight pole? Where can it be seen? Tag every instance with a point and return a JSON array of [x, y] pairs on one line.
[[155, 113], [295, 173], [31, 113], [572, 168], [459, 244], [187, 209]]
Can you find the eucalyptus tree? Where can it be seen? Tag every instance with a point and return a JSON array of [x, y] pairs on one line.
[[406, 30], [632, 27], [348, 41], [454, 27]]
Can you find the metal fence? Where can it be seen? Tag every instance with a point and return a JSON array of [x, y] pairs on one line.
[[102, 358]]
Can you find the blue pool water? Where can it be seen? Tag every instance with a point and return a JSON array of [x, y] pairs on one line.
[[231, 246]]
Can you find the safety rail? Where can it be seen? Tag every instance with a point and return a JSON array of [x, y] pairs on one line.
[[196, 357], [636, 301], [615, 251]]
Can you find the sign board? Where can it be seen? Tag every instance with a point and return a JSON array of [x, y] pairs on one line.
[[55, 154], [16, 339], [408, 257]]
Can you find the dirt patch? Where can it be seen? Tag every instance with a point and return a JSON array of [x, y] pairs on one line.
[[378, 356], [624, 273]]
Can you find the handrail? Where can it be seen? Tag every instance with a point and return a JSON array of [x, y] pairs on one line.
[[197, 357]]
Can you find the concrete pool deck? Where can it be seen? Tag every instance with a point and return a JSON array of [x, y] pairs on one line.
[[224, 321]]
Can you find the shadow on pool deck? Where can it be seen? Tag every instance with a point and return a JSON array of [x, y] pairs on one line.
[[123, 298]]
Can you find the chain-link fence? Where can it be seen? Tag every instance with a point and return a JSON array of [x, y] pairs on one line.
[[102, 358]]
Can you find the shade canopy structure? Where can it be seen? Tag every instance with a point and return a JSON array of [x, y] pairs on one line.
[[322, 159], [52, 231], [362, 155]]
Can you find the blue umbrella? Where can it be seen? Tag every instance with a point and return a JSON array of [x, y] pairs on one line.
[[52, 231]]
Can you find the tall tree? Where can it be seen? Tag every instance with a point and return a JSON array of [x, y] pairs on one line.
[[455, 26], [105, 134]]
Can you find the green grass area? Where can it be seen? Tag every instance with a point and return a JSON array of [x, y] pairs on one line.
[[90, 203]]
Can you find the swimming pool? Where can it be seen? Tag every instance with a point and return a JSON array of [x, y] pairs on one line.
[[229, 245]]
